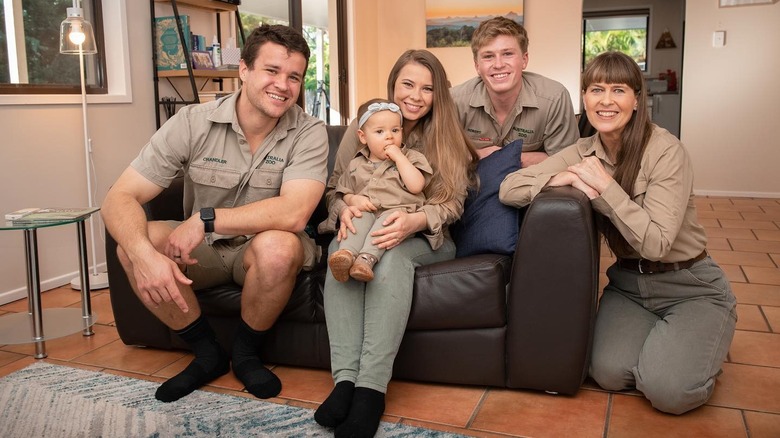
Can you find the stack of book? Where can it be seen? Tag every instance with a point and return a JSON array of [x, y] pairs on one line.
[[48, 215]]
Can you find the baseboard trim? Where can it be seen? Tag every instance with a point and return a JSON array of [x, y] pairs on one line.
[[728, 194], [46, 284]]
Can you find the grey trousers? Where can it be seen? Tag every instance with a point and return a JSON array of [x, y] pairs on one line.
[[366, 321], [665, 334], [360, 242]]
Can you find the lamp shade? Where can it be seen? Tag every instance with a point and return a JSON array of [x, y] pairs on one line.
[[76, 34]]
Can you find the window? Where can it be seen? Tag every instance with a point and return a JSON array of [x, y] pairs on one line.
[[30, 62], [623, 31]]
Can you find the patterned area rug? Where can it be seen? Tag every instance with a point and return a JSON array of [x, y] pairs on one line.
[[45, 400]]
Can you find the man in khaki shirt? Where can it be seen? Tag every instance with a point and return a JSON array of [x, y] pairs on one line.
[[254, 167], [503, 103]]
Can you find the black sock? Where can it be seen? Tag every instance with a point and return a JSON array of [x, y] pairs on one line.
[[367, 408], [248, 367], [334, 410], [211, 361]]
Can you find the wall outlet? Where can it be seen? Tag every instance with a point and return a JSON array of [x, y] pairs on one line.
[[719, 39]]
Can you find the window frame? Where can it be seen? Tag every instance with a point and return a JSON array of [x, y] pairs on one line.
[[99, 59], [117, 65]]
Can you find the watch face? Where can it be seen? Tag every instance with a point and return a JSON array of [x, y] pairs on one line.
[[207, 214]]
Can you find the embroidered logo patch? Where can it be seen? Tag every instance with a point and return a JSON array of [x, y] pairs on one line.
[[522, 132], [215, 160], [272, 160]]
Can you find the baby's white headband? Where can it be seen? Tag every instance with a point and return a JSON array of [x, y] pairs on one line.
[[375, 108]]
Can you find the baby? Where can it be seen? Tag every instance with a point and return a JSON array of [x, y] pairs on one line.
[[384, 177]]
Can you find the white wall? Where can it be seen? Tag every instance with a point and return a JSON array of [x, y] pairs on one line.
[[43, 152], [383, 30], [731, 98]]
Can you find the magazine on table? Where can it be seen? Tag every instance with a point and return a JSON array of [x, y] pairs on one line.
[[50, 214]]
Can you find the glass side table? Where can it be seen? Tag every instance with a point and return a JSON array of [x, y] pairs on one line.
[[20, 328]]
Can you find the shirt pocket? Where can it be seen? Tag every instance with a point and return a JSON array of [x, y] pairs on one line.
[[480, 142], [531, 144], [214, 185], [264, 184]]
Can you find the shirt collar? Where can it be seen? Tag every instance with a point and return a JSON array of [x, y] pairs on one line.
[[225, 112], [592, 146], [526, 98]]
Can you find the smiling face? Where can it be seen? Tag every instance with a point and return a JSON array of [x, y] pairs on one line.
[[413, 93], [273, 84], [382, 129], [500, 64], [609, 108]]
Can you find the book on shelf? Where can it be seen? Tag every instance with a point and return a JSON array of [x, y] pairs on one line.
[[50, 214], [170, 52]]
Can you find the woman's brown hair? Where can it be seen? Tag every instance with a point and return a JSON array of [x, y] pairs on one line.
[[447, 147], [619, 68]]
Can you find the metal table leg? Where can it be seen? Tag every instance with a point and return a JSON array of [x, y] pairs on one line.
[[34, 291], [86, 300]]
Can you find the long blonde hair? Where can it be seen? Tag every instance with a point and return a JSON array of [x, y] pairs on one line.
[[619, 68], [446, 145]]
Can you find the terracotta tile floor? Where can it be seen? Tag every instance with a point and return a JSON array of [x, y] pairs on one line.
[[745, 239]]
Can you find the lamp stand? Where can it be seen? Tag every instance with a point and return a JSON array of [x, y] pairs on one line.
[[97, 280]]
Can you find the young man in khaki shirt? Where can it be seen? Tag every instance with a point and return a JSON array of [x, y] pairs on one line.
[[254, 167], [504, 103]]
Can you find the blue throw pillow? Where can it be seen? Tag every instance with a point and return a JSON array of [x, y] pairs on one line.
[[488, 226]]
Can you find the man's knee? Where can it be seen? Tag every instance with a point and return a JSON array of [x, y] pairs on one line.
[[274, 252]]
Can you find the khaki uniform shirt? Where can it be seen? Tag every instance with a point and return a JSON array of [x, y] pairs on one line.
[[205, 144], [437, 216], [381, 182], [659, 221], [542, 116]]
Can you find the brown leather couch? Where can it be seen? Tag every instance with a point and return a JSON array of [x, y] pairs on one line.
[[522, 322]]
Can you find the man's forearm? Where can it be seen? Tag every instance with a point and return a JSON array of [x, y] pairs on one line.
[[284, 212]]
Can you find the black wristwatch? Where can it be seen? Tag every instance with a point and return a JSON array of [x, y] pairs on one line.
[[207, 215]]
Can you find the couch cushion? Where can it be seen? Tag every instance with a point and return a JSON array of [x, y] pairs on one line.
[[464, 293]]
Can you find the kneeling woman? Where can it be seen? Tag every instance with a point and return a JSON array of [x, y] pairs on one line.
[[666, 319]]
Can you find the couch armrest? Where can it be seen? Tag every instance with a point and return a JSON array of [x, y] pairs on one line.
[[552, 293]]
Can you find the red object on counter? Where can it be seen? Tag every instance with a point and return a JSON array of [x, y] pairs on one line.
[[671, 80]]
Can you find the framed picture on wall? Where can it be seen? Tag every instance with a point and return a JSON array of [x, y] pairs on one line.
[[450, 23], [731, 3]]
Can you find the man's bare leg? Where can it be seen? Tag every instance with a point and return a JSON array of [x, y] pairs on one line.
[[211, 360], [272, 262]]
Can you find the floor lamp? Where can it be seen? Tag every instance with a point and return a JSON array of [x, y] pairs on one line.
[[77, 38]]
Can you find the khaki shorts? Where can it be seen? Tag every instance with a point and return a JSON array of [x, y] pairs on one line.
[[223, 262]]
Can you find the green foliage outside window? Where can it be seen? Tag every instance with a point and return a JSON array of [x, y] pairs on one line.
[[632, 42], [41, 24]]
